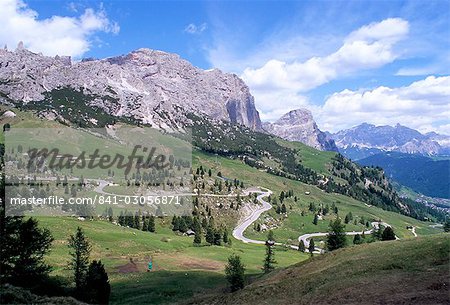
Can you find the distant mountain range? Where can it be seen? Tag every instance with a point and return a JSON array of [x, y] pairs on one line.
[[422, 174], [366, 139], [299, 125]]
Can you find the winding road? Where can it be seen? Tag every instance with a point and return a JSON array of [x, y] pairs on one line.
[[238, 232]]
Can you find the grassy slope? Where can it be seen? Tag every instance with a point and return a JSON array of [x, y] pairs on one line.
[[181, 270], [413, 271], [292, 227]]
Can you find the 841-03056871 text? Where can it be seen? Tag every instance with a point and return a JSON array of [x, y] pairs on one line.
[[99, 199]]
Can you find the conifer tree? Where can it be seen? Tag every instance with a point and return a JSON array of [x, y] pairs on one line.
[[311, 246], [80, 251], [301, 246], [234, 271], [336, 237]]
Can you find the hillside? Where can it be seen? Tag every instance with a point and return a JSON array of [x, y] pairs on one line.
[[398, 272], [182, 269], [422, 174]]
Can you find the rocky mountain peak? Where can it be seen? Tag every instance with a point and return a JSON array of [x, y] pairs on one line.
[[299, 125], [390, 138], [148, 85], [296, 116]]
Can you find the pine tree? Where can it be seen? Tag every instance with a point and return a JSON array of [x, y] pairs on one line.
[[175, 225], [145, 224], [357, 239], [80, 251], [98, 288], [336, 237], [225, 237], [23, 246], [204, 223], [311, 246], [137, 221], [301, 246], [283, 208], [217, 238], [347, 218], [269, 260], [151, 224], [110, 214], [182, 226], [316, 219], [209, 235], [197, 238], [388, 234], [278, 210], [234, 271]]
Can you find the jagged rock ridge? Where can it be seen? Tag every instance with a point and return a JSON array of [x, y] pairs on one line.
[[299, 125], [148, 85], [399, 138]]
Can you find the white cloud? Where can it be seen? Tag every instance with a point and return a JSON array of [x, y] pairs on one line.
[[279, 86], [191, 28], [369, 47], [56, 35], [420, 105]]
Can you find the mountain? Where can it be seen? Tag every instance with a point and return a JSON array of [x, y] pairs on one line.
[[422, 174], [148, 86], [367, 139], [299, 125]]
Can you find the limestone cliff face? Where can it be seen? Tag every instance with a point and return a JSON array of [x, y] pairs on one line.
[[148, 85], [299, 125]]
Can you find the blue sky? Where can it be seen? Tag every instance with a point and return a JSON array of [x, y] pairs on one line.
[[346, 61]]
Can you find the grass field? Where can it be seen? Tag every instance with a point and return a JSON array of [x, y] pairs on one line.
[[180, 269], [413, 271]]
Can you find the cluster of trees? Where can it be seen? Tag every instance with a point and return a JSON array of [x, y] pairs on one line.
[[202, 229], [378, 234], [216, 236], [184, 223], [219, 184], [23, 246], [336, 237], [348, 217], [323, 210], [137, 221], [281, 208], [311, 246]]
